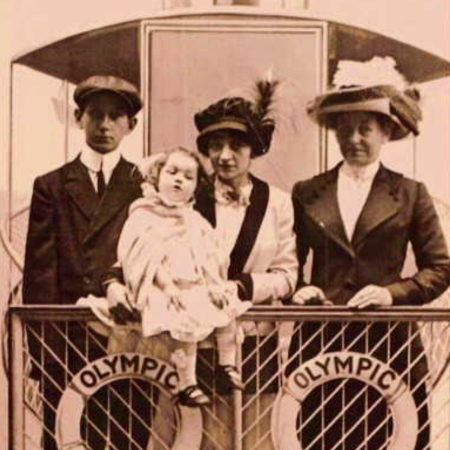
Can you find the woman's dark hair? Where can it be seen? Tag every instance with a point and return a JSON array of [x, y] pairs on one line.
[[244, 137]]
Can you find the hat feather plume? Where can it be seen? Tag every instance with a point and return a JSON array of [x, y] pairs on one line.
[[414, 93], [265, 91]]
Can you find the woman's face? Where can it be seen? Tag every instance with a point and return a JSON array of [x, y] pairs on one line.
[[230, 155], [360, 137], [178, 178]]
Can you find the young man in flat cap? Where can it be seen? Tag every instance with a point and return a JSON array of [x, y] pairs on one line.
[[357, 221], [77, 213]]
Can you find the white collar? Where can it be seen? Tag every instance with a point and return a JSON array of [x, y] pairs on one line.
[[365, 173], [93, 160]]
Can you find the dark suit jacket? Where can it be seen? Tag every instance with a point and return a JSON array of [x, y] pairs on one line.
[[72, 240], [72, 237], [398, 211]]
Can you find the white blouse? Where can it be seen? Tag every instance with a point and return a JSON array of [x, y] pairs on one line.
[[354, 184], [229, 218]]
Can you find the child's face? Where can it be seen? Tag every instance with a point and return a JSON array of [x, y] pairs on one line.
[[178, 177]]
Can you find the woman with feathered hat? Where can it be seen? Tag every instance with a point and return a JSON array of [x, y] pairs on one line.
[[254, 223], [253, 220], [357, 220]]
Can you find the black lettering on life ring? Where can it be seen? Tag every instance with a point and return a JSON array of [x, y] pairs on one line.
[[88, 378], [122, 366], [329, 366]]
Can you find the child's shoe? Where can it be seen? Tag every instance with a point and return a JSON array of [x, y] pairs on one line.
[[193, 397], [230, 378]]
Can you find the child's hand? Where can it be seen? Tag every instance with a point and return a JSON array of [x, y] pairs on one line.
[[174, 295], [218, 297], [117, 294], [119, 304]]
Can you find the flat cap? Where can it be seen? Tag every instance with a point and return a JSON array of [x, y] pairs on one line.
[[109, 83]]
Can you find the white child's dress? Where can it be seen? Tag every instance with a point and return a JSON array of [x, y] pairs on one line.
[[182, 242]]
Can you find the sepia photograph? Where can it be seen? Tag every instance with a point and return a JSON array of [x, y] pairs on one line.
[[224, 225]]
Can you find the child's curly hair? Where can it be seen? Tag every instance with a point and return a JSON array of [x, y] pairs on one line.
[[150, 167]]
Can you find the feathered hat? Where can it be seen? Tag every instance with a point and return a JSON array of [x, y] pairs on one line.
[[250, 118], [363, 94]]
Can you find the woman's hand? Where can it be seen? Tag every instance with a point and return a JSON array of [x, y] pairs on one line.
[[371, 295], [310, 295]]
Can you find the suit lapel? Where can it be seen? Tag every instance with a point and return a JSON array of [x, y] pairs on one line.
[[322, 207], [254, 215], [120, 191], [381, 204], [80, 188]]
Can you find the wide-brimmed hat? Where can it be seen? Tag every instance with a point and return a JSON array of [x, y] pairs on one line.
[[401, 107], [240, 115], [109, 83]]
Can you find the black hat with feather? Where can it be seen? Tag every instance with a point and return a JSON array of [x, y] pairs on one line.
[[240, 115]]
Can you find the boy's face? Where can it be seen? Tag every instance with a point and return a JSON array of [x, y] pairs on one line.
[[178, 178], [105, 121]]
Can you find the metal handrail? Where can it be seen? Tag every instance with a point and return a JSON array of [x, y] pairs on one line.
[[257, 313]]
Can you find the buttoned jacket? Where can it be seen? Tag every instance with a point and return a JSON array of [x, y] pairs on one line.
[[398, 211], [72, 236]]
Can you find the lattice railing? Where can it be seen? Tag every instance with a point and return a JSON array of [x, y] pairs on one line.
[[349, 381]]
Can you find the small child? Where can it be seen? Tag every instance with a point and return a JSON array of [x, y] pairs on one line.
[[175, 272]]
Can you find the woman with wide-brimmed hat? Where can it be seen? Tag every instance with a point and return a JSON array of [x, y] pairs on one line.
[[357, 220]]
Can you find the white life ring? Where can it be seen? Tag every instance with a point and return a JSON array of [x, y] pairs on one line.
[[329, 366], [120, 366]]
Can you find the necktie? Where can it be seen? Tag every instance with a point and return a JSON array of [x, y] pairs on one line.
[[101, 185]]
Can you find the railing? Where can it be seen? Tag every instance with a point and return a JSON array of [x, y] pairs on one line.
[[316, 378]]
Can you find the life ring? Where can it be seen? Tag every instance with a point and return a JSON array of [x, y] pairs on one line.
[[122, 366], [329, 366]]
